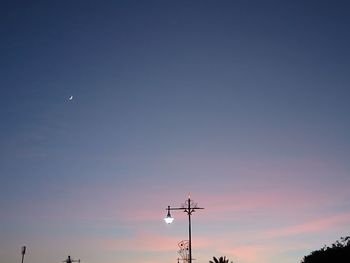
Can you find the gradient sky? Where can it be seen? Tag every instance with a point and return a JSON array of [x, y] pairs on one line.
[[245, 104]]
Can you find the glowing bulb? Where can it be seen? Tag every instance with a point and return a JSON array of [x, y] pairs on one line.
[[168, 219]]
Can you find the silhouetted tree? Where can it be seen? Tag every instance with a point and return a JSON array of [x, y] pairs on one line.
[[339, 252], [219, 260]]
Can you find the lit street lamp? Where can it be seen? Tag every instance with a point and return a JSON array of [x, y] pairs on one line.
[[188, 207]]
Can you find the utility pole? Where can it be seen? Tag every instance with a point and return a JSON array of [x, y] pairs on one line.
[[23, 252]]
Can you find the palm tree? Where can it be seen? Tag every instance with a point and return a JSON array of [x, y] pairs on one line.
[[219, 260]]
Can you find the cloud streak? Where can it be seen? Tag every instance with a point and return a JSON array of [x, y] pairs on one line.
[[311, 226]]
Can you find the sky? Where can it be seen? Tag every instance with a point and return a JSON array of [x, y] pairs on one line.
[[243, 104]]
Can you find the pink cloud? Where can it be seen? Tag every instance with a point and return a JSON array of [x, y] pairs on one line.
[[311, 226], [247, 253], [150, 242], [233, 206]]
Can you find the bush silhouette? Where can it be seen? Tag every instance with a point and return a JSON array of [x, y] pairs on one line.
[[339, 252]]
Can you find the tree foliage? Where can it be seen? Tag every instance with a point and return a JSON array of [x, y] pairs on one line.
[[338, 252]]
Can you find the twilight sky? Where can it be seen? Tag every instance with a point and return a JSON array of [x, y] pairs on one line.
[[245, 104]]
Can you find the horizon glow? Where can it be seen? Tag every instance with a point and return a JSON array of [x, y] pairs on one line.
[[243, 104]]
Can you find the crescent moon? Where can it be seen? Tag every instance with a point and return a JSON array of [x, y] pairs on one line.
[[70, 98]]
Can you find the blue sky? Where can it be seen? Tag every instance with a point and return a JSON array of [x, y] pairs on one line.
[[242, 103]]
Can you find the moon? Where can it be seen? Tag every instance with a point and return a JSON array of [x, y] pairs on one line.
[[71, 97]]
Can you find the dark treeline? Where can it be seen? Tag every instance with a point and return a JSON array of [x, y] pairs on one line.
[[338, 252]]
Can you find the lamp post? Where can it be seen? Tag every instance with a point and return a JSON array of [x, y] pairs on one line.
[[188, 207]]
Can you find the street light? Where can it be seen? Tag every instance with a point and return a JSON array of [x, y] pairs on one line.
[[168, 219], [188, 207]]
